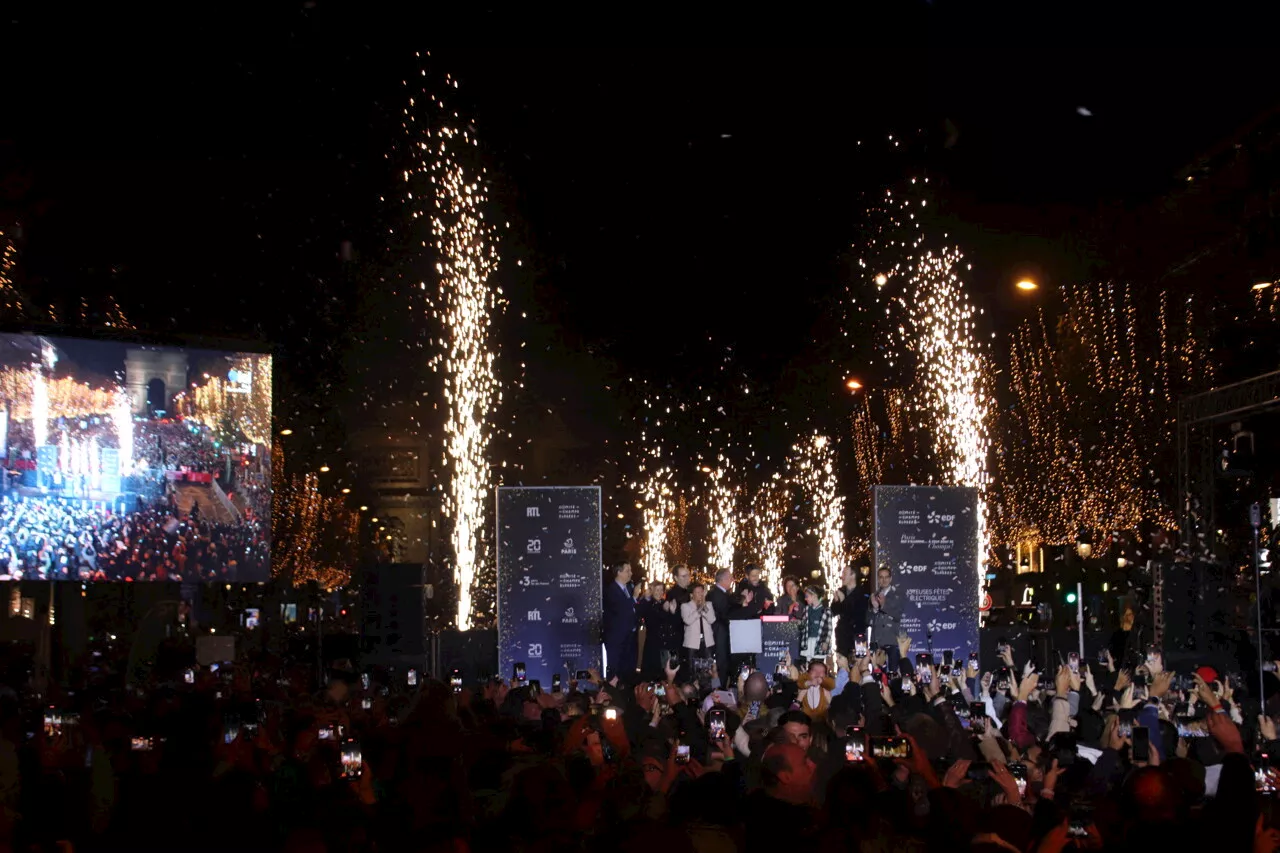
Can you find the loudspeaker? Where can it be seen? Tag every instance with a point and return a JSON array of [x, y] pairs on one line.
[[393, 619]]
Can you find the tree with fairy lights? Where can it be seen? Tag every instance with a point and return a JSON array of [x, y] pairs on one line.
[[1094, 393]]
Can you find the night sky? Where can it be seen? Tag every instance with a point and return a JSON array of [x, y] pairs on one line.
[[675, 186]]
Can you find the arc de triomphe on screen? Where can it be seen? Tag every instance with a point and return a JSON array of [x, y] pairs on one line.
[[143, 365]]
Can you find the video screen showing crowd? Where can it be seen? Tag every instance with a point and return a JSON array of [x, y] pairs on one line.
[[133, 463]]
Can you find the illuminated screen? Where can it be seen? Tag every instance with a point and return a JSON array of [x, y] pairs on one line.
[[133, 462]]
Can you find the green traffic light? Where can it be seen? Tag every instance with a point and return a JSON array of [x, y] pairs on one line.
[[1071, 598]]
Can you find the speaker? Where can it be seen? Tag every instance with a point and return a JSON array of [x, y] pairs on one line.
[[392, 621]]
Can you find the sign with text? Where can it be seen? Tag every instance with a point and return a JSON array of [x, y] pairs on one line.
[[778, 638], [928, 537], [549, 575]]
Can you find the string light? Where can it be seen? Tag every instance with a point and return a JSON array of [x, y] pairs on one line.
[[1095, 396], [466, 257]]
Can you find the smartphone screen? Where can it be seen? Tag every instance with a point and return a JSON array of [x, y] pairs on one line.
[[1154, 657], [1073, 662], [580, 675], [326, 733], [890, 747], [948, 657], [855, 744], [611, 713], [52, 723], [412, 679], [364, 680], [977, 718], [860, 646], [455, 680], [945, 670], [352, 760], [1140, 739], [682, 753], [366, 704], [189, 676], [1019, 774], [519, 673], [142, 744], [715, 723], [1264, 776], [555, 683]]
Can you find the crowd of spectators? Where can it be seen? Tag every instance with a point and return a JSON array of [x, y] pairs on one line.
[[860, 757], [55, 539]]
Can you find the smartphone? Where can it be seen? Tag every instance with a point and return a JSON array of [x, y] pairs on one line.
[[781, 668], [326, 733], [1140, 740], [519, 676], [977, 718], [855, 744], [52, 723], [1019, 773], [213, 667], [352, 760], [1001, 648], [746, 671], [364, 680], [143, 744], [1264, 776], [555, 682], [860, 646], [535, 688], [945, 670], [948, 657], [1073, 662], [189, 676], [455, 679], [366, 704], [412, 678], [924, 659], [682, 753], [890, 747], [1102, 657], [1002, 680], [1154, 657], [925, 675], [715, 723], [1078, 823], [230, 729], [580, 675]]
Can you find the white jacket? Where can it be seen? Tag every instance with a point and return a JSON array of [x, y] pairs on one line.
[[693, 633]]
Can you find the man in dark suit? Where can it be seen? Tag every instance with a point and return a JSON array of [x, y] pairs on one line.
[[620, 624], [849, 604], [722, 603]]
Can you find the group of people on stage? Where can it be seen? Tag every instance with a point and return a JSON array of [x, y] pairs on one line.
[[690, 620]]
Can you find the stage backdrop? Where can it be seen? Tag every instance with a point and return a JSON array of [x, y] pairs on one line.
[[549, 574], [928, 536]]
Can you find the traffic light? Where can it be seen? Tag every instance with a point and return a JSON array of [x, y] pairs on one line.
[[1071, 596]]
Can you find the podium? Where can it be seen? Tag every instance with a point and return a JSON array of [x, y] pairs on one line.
[[778, 637]]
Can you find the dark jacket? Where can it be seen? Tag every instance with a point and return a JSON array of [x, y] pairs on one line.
[[851, 618], [620, 617]]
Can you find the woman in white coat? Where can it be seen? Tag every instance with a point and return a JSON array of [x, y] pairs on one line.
[[698, 617]]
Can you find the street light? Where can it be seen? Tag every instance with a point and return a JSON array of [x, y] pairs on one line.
[[1027, 284], [1084, 544], [286, 432], [1262, 285], [853, 385], [324, 469], [881, 280]]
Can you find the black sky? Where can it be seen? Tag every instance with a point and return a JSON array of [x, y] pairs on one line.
[[674, 185]]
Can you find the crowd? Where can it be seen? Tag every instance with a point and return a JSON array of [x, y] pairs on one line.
[[837, 754], [53, 539]]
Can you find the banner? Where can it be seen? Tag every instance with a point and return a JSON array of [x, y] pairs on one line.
[[928, 537], [549, 576]]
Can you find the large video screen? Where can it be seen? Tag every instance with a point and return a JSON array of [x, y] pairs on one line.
[[132, 462]]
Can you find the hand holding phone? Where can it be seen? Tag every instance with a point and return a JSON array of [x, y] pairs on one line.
[[352, 760], [682, 753], [716, 723]]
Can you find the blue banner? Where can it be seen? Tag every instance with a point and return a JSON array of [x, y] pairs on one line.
[[928, 537], [549, 576]]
